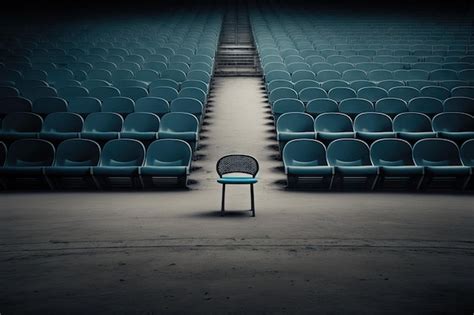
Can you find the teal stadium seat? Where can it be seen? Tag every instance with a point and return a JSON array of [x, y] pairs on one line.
[[165, 92], [311, 93], [391, 106], [294, 126], [47, 105], [426, 105], [61, 126], [118, 104], [455, 126], [179, 125], [332, 126], [14, 104], [459, 104], [20, 125], [373, 126], [102, 126], [412, 126], [355, 106], [188, 105], [84, 105], [287, 105], [150, 104], [321, 105], [141, 126]]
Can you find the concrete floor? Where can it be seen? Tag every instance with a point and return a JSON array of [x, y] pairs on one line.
[[170, 251]]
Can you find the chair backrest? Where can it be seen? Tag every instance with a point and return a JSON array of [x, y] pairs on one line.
[[123, 152], [3, 153], [168, 152], [14, 104], [438, 92], [412, 122], [341, 93], [187, 105], [372, 93], [459, 104], [453, 122], [22, 122], [166, 92], [333, 122], [467, 153], [103, 122], [118, 104], [84, 105], [304, 152], [311, 93], [30, 152], [391, 152], [193, 92], [77, 152], [436, 152], [425, 105], [348, 152], [141, 122], [295, 122], [63, 122], [354, 106], [373, 122], [47, 105], [237, 163], [179, 122], [152, 104]]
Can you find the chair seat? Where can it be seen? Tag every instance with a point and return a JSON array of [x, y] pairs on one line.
[[310, 170], [372, 136], [27, 171], [163, 170], [100, 135], [237, 180], [406, 170], [287, 136], [448, 170], [457, 136], [68, 170], [415, 136], [365, 170], [186, 136], [139, 135], [329, 136], [115, 170], [58, 135]]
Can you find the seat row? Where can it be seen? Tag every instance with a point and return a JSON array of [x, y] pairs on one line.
[[386, 159], [81, 162]]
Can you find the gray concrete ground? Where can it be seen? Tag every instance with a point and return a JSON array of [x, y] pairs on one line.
[[143, 252]]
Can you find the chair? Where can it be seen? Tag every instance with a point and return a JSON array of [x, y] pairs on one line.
[[372, 93], [306, 158], [391, 106], [37, 92], [321, 105], [311, 93], [286, 105], [354, 75], [26, 159], [167, 158], [332, 126], [195, 84], [405, 93], [373, 126], [3, 153], [118, 104], [14, 104], [8, 91], [341, 93], [73, 162], [388, 84], [94, 83], [325, 75], [458, 127], [459, 104], [184, 126], [351, 158], [412, 126], [147, 75], [20, 125], [61, 126], [84, 105], [443, 74], [438, 92], [104, 92], [237, 164], [467, 154], [165, 92], [70, 92], [192, 92], [426, 105], [150, 104], [394, 159], [278, 84], [119, 163], [140, 126], [293, 125], [277, 75], [188, 105], [380, 75], [330, 84], [281, 93], [47, 105], [355, 106], [440, 158], [102, 126], [463, 91]]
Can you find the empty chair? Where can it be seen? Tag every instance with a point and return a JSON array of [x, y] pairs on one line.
[[405, 93], [20, 125], [60, 126], [14, 104], [380, 75], [278, 84], [394, 159], [287, 105], [73, 160], [306, 158], [331, 126], [302, 75], [104, 92], [419, 84], [141, 126], [467, 154], [413, 126], [455, 126], [36, 92], [8, 91], [321, 105], [438, 92], [373, 126], [311, 93], [26, 159], [195, 84], [100, 74], [440, 158], [293, 125], [84, 105], [354, 75], [463, 91], [167, 158], [118, 104], [426, 105], [184, 126], [459, 104], [70, 92], [388, 84], [193, 92], [341, 93], [355, 106], [330, 84], [372, 93], [359, 84], [443, 74], [47, 105], [164, 82], [134, 92], [391, 106], [466, 75], [120, 159], [325, 75], [3, 153], [102, 126], [147, 75], [351, 158], [281, 93], [188, 105], [277, 75], [165, 92], [150, 104], [94, 83], [414, 74]]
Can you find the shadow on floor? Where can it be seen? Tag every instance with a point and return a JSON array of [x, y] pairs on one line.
[[230, 214]]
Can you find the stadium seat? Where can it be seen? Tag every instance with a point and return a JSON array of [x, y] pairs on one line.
[[48, 105], [306, 158], [372, 93], [426, 105], [188, 105], [321, 105], [443, 74], [84, 105], [37, 92], [20, 125], [61, 126], [310, 93], [405, 93], [277, 75], [164, 83], [391, 106], [331, 126], [355, 106], [102, 126], [167, 158], [195, 84], [14, 104], [463, 91], [192, 92], [150, 104], [281, 93], [118, 104], [413, 126], [455, 126], [104, 92], [459, 104], [341, 93], [278, 84], [438, 92], [8, 91], [330, 84], [293, 125], [165, 92], [141, 126], [373, 126], [182, 126], [287, 105]]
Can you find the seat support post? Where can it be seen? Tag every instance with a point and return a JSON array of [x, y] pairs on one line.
[[223, 199], [252, 200]]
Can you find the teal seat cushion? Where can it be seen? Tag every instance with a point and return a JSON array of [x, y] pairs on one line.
[[68, 170], [310, 170], [329, 136], [139, 135], [237, 180], [448, 170], [25, 171], [287, 136], [163, 170], [115, 170], [365, 170], [408, 170]]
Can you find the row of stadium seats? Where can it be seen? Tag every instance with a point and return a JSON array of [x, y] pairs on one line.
[[371, 126], [121, 162], [429, 159]]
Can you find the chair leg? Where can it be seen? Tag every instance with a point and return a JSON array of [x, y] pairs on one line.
[[252, 198], [223, 199]]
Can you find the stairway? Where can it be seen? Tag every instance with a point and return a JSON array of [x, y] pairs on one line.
[[236, 55]]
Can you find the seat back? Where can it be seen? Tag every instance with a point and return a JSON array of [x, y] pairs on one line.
[[77, 152], [187, 105], [118, 104], [436, 152], [141, 122], [311, 93], [152, 104], [122, 152], [425, 105], [391, 152], [304, 152], [354, 106], [322, 105], [373, 122], [22, 122], [30, 152], [168, 152], [459, 104], [467, 153], [453, 122], [295, 122], [333, 122], [3, 153], [237, 163], [412, 122], [47, 105], [103, 122], [84, 105], [63, 122], [179, 122], [14, 104], [348, 152], [193, 92]]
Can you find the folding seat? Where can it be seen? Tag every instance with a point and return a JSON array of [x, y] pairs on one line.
[[279, 83], [372, 93], [150, 104], [132, 66], [333, 59], [10, 75], [341, 93], [388, 84], [330, 84], [325, 75], [122, 74], [8, 91], [343, 66], [358, 59], [302, 75], [294, 125], [463, 91], [280, 93], [92, 84], [467, 154], [455, 126], [118, 104], [37, 92], [102, 126], [426, 66], [195, 84], [355, 106], [391, 106], [354, 75], [61, 126], [120, 160], [202, 67], [373, 126], [47, 105], [26, 160], [104, 65], [302, 84], [35, 74], [20, 125], [157, 66], [271, 58], [405, 93], [289, 52], [104, 92], [100, 74], [274, 66], [180, 59], [311, 93], [419, 84], [369, 66], [443, 74], [62, 74], [195, 93], [166, 51], [199, 75], [351, 158], [188, 105], [98, 51], [466, 75], [331, 126], [298, 66], [414, 74], [367, 52], [84, 105], [164, 92], [306, 158], [395, 66], [320, 66], [141, 126], [286, 105], [321, 105], [458, 66], [413, 126], [164, 82], [437, 92], [179, 66], [440, 158], [179, 125], [394, 159], [277, 75], [385, 59], [426, 105], [137, 59], [202, 58]]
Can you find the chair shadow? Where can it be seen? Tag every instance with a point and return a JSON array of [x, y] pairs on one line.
[[232, 214]]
